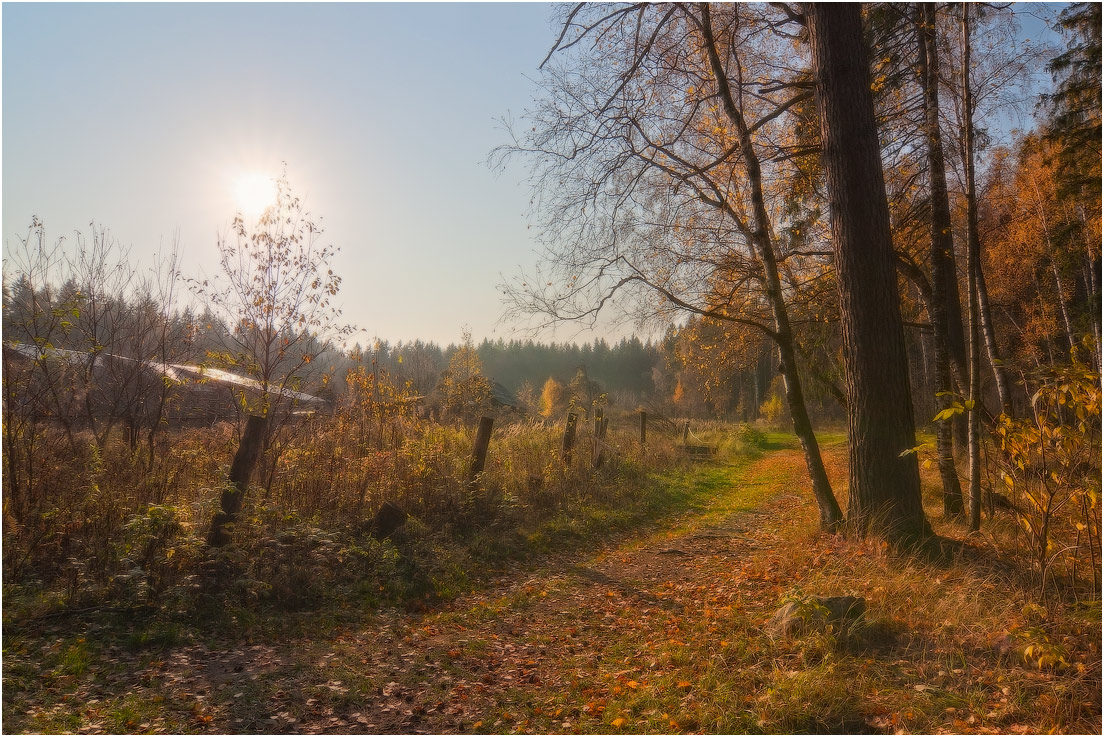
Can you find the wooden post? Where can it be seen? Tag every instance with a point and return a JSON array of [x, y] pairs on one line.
[[569, 437], [600, 425], [643, 428], [238, 481], [479, 451], [685, 432]]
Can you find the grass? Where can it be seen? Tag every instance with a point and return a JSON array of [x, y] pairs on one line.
[[647, 617]]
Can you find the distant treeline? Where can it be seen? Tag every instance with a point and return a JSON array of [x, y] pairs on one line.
[[625, 366], [71, 310]]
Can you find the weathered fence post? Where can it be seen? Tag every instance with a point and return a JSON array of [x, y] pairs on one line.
[[600, 425], [241, 469], [685, 432], [479, 451], [569, 437], [643, 427]]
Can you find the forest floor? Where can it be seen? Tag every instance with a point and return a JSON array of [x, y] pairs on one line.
[[660, 631]]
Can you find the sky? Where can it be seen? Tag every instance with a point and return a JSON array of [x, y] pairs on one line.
[[144, 117]]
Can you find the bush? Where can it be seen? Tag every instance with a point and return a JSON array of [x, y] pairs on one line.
[[751, 438], [1050, 465]]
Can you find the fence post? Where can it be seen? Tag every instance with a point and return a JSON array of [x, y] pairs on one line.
[[241, 469], [685, 432], [569, 437], [643, 428], [600, 425], [479, 451]]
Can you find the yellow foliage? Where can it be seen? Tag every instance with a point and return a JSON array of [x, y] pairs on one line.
[[553, 396]]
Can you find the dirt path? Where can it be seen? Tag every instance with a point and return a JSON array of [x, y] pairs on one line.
[[553, 652], [658, 633], [636, 638]]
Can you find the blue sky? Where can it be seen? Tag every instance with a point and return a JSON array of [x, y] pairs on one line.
[[141, 117]]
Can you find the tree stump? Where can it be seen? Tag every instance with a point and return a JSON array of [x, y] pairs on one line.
[[389, 518]]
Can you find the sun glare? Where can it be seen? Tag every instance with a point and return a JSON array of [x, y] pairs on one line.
[[254, 192]]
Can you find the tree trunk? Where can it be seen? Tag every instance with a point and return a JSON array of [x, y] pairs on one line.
[[973, 267], [762, 381], [1092, 285], [831, 516], [1000, 373], [946, 311], [830, 513], [944, 280], [885, 485], [240, 471], [1071, 337]]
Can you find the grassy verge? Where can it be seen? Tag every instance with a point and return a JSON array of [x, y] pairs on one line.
[[645, 617], [959, 647], [57, 661]]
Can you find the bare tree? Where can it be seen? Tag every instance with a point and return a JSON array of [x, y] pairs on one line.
[[659, 155], [35, 387], [275, 291], [166, 341]]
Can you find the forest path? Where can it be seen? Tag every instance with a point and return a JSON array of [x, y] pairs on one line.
[[594, 644], [659, 632], [643, 635]]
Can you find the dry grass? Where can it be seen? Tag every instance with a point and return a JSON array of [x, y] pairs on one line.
[[659, 632]]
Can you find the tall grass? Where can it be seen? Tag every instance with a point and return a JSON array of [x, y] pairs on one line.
[[101, 526]]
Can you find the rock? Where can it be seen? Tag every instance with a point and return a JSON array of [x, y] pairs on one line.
[[814, 614], [389, 518]]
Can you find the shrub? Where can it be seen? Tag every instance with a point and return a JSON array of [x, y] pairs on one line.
[[1050, 465]]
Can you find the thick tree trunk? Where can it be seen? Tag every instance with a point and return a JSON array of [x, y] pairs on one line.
[[885, 485], [830, 513], [973, 268], [946, 311]]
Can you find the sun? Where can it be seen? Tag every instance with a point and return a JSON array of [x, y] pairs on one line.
[[254, 192]]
